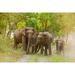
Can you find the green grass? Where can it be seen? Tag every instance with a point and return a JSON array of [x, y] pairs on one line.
[[57, 58], [7, 52], [53, 58]]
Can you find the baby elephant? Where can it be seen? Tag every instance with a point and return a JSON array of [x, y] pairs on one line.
[[60, 45]]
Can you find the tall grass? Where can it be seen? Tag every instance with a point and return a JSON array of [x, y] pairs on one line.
[[7, 52]]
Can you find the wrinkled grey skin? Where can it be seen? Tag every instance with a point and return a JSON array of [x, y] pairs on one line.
[[28, 37], [18, 37], [59, 45], [34, 43], [24, 36], [44, 40]]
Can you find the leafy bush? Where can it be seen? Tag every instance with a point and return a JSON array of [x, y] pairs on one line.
[[21, 24]]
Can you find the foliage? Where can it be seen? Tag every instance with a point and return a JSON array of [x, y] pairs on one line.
[[7, 52], [21, 24], [57, 23], [31, 22]]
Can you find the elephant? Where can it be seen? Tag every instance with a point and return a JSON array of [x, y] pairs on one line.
[[59, 45], [43, 43], [18, 37], [29, 32], [34, 43], [24, 36]]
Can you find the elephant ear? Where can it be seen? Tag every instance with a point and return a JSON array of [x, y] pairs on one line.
[[22, 32]]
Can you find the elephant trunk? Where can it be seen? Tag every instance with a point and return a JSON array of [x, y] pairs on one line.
[[28, 46]]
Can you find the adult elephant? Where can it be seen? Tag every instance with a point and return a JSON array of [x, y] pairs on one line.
[[44, 40], [34, 43], [24, 36], [26, 39], [18, 36]]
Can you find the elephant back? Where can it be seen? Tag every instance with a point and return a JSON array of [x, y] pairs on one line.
[[48, 36]]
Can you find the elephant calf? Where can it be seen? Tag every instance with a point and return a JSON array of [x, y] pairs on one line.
[[60, 45]]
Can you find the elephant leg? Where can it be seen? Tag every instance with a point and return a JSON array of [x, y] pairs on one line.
[[15, 43], [33, 49], [57, 48], [28, 49], [42, 50], [37, 47], [61, 50], [27, 52], [28, 45], [49, 47], [24, 43], [45, 50], [24, 47]]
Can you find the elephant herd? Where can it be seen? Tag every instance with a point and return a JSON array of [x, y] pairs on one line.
[[33, 41]]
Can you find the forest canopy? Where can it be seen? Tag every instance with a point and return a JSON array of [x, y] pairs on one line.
[[56, 23]]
